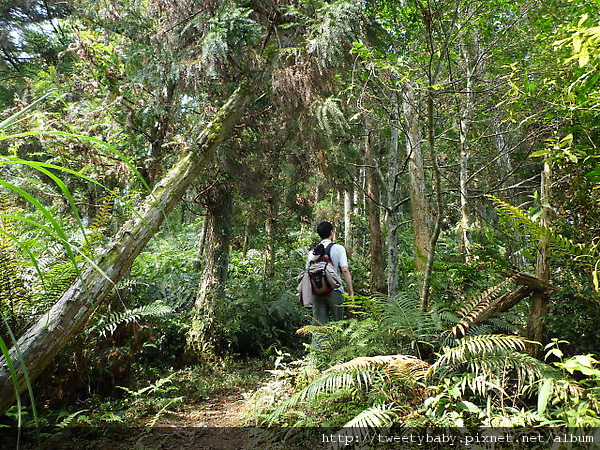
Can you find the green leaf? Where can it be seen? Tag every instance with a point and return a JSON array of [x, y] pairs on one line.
[[584, 57], [544, 395], [468, 406], [539, 153]]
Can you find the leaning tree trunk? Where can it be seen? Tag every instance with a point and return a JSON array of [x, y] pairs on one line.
[[219, 203], [40, 344]]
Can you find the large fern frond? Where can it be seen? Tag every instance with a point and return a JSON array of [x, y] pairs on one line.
[[403, 317], [328, 383], [474, 309], [398, 367], [377, 416], [109, 323], [486, 354], [538, 231], [358, 374]]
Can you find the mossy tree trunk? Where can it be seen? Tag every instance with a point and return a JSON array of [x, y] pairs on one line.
[[539, 301], [393, 206], [419, 206], [377, 281], [219, 206], [40, 344]]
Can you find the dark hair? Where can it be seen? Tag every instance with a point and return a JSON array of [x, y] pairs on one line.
[[324, 229]]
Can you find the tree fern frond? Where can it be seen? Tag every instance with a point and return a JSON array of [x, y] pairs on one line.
[[331, 382], [358, 374], [328, 383], [481, 384], [471, 347], [403, 315]]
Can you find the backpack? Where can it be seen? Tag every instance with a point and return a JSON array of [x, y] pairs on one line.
[[317, 270]]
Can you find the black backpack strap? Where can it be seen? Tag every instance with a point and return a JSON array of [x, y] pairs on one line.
[[328, 251]]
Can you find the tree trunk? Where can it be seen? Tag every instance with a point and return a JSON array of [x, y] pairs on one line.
[[439, 203], [418, 202], [219, 205], [465, 228], [539, 301], [271, 231], [377, 282], [348, 219], [393, 217], [40, 344], [158, 135]]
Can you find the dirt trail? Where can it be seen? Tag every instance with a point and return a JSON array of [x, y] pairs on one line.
[[224, 410]]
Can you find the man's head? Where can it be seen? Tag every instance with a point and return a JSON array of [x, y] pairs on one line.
[[325, 229]]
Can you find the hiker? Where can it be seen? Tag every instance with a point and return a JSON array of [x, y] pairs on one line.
[[326, 305]]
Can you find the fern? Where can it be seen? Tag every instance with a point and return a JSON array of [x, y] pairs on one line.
[[337, 23], [404, 319], [359, 374], [399, 367], [100, 221], [486, 354], [57, 279], [343, 340], [377, 416], [110, 322]]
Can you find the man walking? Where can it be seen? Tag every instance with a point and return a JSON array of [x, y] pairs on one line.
[[329, 305]]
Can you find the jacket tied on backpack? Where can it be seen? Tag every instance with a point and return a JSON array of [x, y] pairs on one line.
[[320, 278]]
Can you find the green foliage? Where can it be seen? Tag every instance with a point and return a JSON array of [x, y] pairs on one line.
[[333, 30], [479, 380], [261, 312], [535, 230], [231, 31]]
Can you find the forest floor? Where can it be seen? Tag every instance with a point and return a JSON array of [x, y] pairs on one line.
[[211, 415]]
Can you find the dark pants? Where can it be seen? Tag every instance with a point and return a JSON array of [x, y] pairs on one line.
[[328, 305]]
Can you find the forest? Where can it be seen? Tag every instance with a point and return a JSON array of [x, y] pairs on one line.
[[164, 165]]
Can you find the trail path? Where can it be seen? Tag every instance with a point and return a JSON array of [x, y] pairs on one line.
[[223, 410], [216, 424]]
